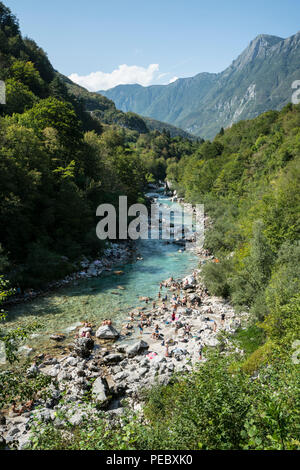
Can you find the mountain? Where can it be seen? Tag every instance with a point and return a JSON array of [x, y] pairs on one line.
[[105, 110], [258, 80]]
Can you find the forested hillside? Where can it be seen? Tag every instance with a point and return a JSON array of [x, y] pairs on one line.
[[248, 178], [105, 110], [60, 159]]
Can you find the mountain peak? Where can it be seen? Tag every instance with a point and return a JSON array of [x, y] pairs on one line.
[[267, 38], [258, 47]]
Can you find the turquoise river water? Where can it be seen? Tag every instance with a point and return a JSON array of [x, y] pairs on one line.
[[93, 299]]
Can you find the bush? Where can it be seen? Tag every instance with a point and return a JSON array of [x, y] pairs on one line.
[[258, 358], [216, 277], [43, 266]]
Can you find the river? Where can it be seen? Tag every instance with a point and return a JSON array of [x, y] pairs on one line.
[[93, 299]]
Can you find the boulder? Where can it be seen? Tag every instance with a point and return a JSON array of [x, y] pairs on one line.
[[71, 361], [211, 341], [112, 358], [157, 361], [194, 298], [53, 399], [24, 442], [143, 371], [107, 332], [121, 375], [82, 332], [25, 350], [77, 418], [188, 282], [57, 337], [144, 363], [99, 391], [83, 347], [53, 371], [168, 282], [63, 375], [32, 371], [92, 271], [137, 348]]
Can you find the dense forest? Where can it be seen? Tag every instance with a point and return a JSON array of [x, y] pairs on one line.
[[63, 152]]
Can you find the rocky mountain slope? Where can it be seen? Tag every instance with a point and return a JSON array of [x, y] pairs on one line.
[[258, 80]]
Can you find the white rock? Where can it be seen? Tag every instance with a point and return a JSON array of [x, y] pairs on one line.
[[107, 332], [137, 348], [71, 361], [99, 391]]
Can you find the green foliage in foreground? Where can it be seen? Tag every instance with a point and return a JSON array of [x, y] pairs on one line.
[[15, 386], [12, 338], [212, 408]]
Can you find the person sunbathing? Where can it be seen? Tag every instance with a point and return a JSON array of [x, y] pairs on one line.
[[156, 334]]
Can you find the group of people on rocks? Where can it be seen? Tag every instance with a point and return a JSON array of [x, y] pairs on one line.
[[147, 319]]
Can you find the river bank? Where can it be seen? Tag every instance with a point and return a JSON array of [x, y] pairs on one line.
[[112, 294], [117, 253], [167, 331], [113, 367]]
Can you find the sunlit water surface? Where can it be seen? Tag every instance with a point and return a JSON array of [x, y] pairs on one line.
[[95, 299]]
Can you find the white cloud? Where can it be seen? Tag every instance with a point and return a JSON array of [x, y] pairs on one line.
[[173, 80], [124, 74]]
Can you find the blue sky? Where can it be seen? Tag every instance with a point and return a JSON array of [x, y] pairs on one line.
[[102, 43]]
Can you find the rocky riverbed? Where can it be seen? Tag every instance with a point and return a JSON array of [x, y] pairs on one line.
[[115, 254], [165, 335]]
